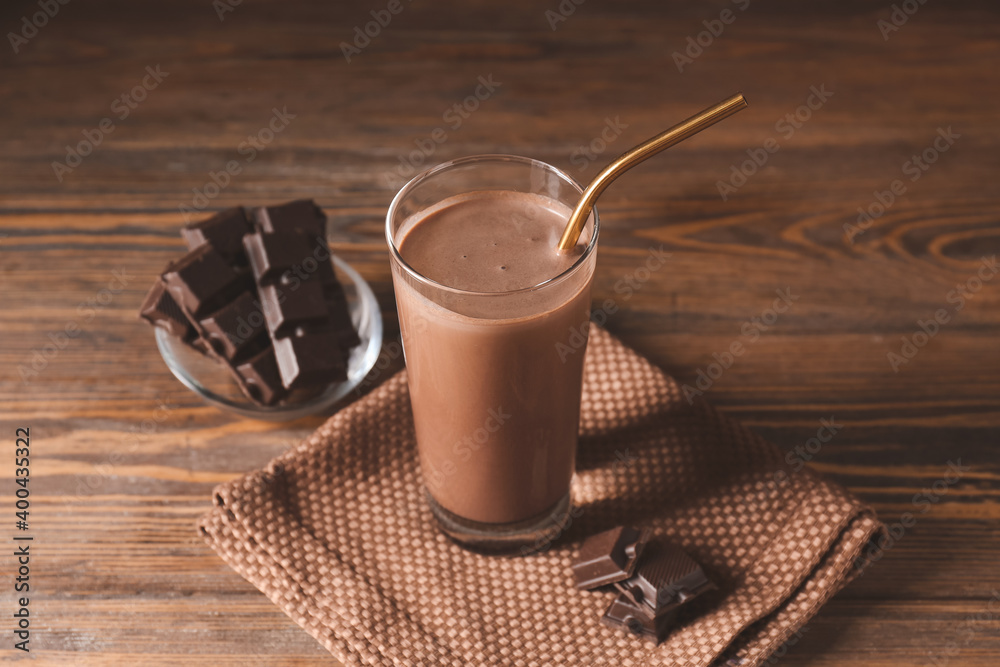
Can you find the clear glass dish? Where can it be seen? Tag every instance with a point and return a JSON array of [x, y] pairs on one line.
[[213, 383]]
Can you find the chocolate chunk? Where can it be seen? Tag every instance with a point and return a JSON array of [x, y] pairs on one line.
[[289, 309], [272, 255], [308, 360], [236, 330], [263, 300], [202, 281], [624, 613], [336, 299], [608, 557], [160, 309], [301, 215], [223, 231], [665, 578], [260, 378], [199, 343], [336, 303], [302, 298], [309, 357]]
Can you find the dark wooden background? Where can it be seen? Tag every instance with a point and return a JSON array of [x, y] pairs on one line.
[[120, 575]]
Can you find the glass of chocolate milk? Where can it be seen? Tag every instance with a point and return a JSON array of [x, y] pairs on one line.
[[492, 317]]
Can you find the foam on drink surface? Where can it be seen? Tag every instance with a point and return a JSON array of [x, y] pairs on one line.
[[494, 241]]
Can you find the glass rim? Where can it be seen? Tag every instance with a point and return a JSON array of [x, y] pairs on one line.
[[486, 157]]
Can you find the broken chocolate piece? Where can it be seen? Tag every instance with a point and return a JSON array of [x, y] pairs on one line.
[[261, 380], [301, 298], [301, 215], [336, 303], [261, 299], [236, 330], [653, 579], [608, 557], [273, 254], [309, 357], [160, 309], [202, 281], [624, 613], [289, 309], [223, 231], [665, 578]]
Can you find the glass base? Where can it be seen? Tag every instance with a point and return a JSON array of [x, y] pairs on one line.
[[514, 539]]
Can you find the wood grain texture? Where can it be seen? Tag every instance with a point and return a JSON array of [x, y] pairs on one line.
[[123, 578]]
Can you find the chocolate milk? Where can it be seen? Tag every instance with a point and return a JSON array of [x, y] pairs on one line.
[[494, 379]]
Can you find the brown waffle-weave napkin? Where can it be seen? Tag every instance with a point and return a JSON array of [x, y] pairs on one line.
[[337, 534]]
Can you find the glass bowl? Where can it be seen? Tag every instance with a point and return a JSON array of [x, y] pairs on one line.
[[213, 383]]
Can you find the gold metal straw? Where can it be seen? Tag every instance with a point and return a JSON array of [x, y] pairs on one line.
[[647, 149]]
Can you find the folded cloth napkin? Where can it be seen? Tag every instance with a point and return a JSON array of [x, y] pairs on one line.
[[337, 534]]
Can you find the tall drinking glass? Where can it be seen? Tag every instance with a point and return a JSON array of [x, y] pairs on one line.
[[494, 373]]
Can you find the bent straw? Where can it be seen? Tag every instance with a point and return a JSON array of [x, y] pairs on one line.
[[634, 156]]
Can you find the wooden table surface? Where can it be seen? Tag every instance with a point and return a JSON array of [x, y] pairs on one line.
[[843, 97]]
